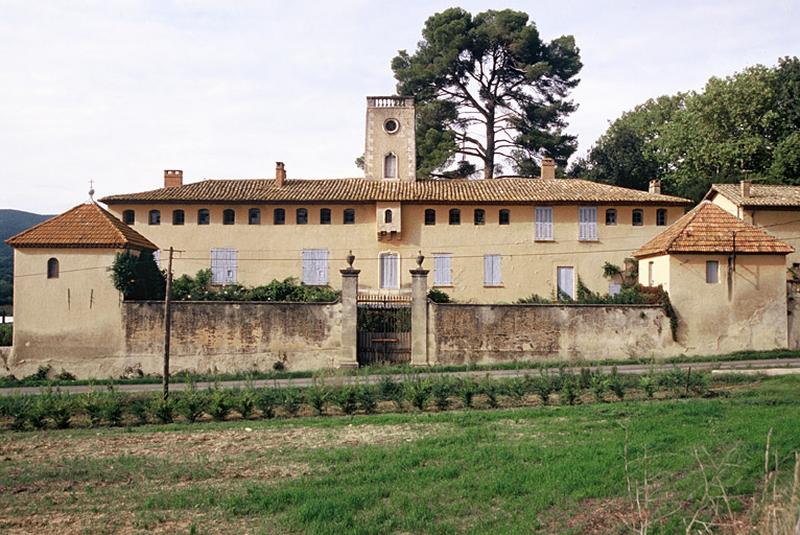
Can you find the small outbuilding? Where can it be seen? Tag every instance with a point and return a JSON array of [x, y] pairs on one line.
[[726, 280], [66, 309]]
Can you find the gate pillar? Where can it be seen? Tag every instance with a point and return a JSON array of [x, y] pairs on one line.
[[349, 353], [419, 314]]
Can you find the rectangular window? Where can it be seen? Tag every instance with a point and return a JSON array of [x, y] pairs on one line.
[[544, 223], [491, 270], [712, 272], [390, 270], [442, 269], [315, 266], [565, 282], [614, 288], [223, 266], [587, 223]]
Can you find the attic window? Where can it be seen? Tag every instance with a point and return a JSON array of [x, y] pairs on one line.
[[154, 217], [505, 217], [129, 217], [228, 217], [52, 268], [278, 216], [661, 217], [203, 217], [637, 218], [349, 216], [178, 217], [324, 216]]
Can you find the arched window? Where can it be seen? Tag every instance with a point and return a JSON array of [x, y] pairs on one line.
[[661, 217], [611, 216], [302, 216], [349, 216], [480, 216], [178, 217], [278, 216], [390, 166], [637, 218], [129, 217], [228, 217], [254, 216], [154, 217], [455, 216], [52, 268], [203, 217], [324, 216], [430, 216], [387, 216], [505, 217]]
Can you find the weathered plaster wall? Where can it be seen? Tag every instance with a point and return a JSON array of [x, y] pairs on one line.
[[461, 334], [793, 311], [783, 224], [267, 251], [229, 337], [745, 312]]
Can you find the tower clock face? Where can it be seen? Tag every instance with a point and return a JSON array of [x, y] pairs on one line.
[[391, 126]]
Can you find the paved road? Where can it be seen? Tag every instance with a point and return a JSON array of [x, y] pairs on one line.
[[346, 379]]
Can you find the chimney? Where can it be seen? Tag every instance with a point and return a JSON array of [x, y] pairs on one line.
[[654, 186], [744, 187], [548, 168], [173, 178], [280, 174]]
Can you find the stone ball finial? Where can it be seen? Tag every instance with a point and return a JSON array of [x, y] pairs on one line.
[[350, 259], [420, 260]]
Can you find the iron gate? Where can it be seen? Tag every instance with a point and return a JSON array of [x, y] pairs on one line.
[[384, 330]]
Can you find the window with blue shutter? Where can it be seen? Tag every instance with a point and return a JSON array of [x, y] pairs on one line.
[[442, 269], [544, 223], [315, 266], [587, 223], [223, 266], [390, 270], [491, 270]]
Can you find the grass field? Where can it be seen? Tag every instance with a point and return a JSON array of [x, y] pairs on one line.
[[554, 469]]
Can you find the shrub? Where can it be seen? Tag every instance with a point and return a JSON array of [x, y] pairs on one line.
[[279, 366], [163, 410], [138, 276], [138, 409], [569, 390], [266, 401], [391, 390], [291, 401], [648, 384], [347, 399], [585, 378], [418, 391], [518, 388], [438, 296], [113, 407], [6, 334], [64, 375], [543, 386], [58, 406], [317, 396], [616, 383], [93, 407], [245, 402], [367, 398], [16, 407], [192, 403], [491, 390], [599, 384], [441, 390], [220, 403], [42, 374], [534, 299], [466, 391], [672, 380], [37, 412]]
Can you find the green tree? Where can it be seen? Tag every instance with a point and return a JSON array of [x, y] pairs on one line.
[[138, 276], [488, 87]]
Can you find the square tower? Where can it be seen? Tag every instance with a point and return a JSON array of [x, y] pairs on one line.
[[391, 149]]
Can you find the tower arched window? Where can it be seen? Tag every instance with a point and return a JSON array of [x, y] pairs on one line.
[[390, 166], [387, 216], [52, 268]]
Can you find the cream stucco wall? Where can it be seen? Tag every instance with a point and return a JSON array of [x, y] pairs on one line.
[[745, 312], [67, 321], [267, 251]]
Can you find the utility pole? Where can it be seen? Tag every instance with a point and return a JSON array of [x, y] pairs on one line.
[[167, 323]]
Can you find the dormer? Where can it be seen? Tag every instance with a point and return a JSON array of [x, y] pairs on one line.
[[388, 218]]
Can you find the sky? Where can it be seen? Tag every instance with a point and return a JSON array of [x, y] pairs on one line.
[[118, 91]]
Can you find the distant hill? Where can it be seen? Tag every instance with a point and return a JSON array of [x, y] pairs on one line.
[[12, 222]]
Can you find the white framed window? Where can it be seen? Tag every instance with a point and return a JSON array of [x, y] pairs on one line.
[[587, 223], [223, 266], [315, 266], [390, 271], [442, 269], [565, 281], [544, 223], [491, 270], [712, 272], [390, 166]]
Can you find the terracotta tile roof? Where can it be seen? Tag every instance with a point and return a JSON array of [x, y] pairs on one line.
[[709, 229], [85, 226], [500, 190], [760, 195]]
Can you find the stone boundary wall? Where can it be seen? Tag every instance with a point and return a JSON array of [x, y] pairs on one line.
[[217, 336], [484, 334]]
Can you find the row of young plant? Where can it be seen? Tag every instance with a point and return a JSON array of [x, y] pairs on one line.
[[59, 409]]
